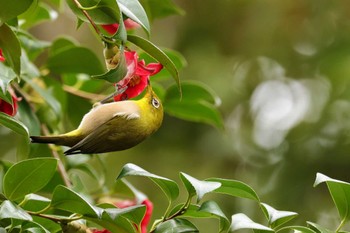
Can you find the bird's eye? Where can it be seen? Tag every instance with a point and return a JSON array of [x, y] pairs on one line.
[[155, 103]]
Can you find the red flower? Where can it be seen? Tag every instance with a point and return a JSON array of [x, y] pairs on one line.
[[113, 28], [9, 109], [137, 76], [100, 231], [2, 58]]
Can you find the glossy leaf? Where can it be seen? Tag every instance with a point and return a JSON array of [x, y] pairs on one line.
[[277, 217], [74, 60], [11, 9], [100, 11], [10, 210], [34, 202], [193, 91], [318, 228], [168, 186], [201, 112], [116, 74], [10, 46], [160, 9], [36, 14], [235, 188], [176, 225], [134, 10], [208, 209], [198, 187], [134, 214], [13, 124], [65, 199], [241, 221], [299, 229], [212, 208], [28, 176], [157, 54], [33, 227], [340, 192], [32, 45], [6, 77], [73, 65], [119, 220]]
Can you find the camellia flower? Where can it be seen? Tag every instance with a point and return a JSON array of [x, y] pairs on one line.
[[137, 76], [2, 58], [8, 108], [113, 28], [5, 107], [127, 203]]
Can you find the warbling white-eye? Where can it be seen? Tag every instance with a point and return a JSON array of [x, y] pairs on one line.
[[112, 126]]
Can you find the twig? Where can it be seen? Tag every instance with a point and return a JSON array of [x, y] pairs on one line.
[[61, 168], [87, 16], [83, 94]]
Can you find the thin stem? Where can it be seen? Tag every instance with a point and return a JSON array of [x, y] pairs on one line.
[[83, 94], [181, 211], [87, 16], [61, 168], [340, 225], [55, 219]]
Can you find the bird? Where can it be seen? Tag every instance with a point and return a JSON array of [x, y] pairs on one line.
[[113, 126]]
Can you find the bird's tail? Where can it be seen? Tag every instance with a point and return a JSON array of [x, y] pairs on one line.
[[57, 140]]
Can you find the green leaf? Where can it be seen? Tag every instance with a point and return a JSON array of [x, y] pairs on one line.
[[13, 124], [34, 202], [198, 103], [176, 225], [9, 44], [157, 54], [11, 9], [161, 9], [28, 117], [65, 199], [193, 91], [36, 14], [6, 76], [235, 188], [74, 60], [198, 187], [119, 220], [33, 227], [134, 214], [340, 192], [277, 217], [201, 112], [208, 209], [212, 208], [32, 45], [168, 186], [134, 10], [116, 74], [46, 94], [241, 221], [10, 210], [299, 229], [100, 11], [317, 228], [28, 176]]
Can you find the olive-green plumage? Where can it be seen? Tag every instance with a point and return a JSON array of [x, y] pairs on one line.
[[112, 127]]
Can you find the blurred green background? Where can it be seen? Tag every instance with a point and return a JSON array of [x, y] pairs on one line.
[[282, 71]]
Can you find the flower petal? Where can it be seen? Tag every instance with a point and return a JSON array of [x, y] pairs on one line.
[[2, 58], [111, 28]]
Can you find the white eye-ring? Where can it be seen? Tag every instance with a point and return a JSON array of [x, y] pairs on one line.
[[155, 103]]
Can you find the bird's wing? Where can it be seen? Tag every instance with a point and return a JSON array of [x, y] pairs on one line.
[[106, 137]]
